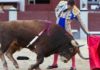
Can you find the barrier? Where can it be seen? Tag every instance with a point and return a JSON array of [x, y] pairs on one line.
[[95, 32], [76, 33]]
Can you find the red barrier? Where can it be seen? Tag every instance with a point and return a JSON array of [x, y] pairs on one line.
[[94, 52]]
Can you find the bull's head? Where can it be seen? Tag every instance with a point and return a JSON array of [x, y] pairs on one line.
[[70, 50]]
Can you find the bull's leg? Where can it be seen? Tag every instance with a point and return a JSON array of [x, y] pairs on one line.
[[9, 55], [4, 61], [12, 49], [40, 59]]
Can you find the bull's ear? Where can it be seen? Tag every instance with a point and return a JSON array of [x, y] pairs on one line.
[[74, 43]]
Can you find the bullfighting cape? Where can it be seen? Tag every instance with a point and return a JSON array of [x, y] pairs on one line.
[[94, 52]]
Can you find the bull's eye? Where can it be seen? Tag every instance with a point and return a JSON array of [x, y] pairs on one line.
[[63, 52], [71, 50]]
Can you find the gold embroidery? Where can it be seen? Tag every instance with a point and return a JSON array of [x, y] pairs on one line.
[[75, 11]]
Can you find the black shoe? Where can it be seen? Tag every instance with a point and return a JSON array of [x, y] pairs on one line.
[[51, 67], [72, 68]]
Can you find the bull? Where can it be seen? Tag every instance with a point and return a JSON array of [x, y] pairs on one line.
[[51, 38]]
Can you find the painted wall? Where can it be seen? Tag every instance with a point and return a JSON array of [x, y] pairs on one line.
[[43, 15], [46, 12], [4, 16], [94, 21]]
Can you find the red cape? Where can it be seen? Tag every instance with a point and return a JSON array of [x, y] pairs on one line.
[[94, 52]]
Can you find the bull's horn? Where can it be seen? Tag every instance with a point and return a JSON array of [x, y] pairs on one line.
[[80, 54], [73, 42], [81, 45]]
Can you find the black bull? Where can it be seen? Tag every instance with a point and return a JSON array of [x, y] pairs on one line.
[[54, 39]]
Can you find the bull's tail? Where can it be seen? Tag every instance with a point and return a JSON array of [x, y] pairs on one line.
[[80, 54]]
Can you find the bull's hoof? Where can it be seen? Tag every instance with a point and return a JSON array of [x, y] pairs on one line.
[[31, 67], [52, 67], [16, 65], [37, 68], [5, 68], [72, 68]]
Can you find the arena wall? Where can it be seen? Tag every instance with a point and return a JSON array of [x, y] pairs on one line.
[[46, 12]]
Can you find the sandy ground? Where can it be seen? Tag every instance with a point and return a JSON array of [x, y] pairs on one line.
[[24, 64]]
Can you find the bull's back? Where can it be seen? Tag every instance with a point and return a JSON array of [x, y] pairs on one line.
[[23, 30], [54, 39]]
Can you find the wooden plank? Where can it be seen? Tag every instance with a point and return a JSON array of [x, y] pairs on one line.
[[95, 32]]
